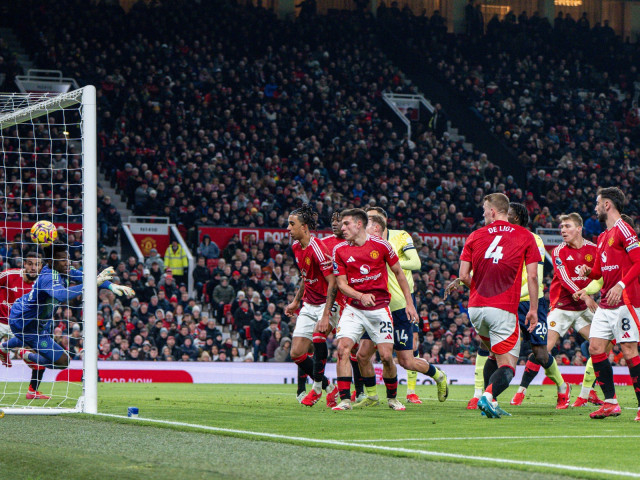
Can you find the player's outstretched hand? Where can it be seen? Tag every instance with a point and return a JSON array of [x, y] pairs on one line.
[[368, 300], [531, 320], [106, 275], [121, 290]]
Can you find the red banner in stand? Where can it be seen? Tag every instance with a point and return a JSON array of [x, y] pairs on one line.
[[10, 229], [222, 235], [151, 235]]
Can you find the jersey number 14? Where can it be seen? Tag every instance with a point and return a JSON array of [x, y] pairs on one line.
[[494, 251]]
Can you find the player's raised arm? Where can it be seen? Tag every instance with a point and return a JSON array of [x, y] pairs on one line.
[[410, 259]]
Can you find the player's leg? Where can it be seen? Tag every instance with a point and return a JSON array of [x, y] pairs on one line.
[[358, 381], [366, 351], [504, 334], [320, 382], [602, 332], [403, 345], [532, 367], [412, 375], [587, 392], [349, 331], [628, 334], [478, 373], [390, 375], [301, 343], [43, 352], [5, 336]]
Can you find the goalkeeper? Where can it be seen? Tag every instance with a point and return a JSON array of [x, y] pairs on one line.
[[32, 315]]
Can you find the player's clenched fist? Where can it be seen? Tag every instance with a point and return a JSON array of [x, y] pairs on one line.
[[368, 300]]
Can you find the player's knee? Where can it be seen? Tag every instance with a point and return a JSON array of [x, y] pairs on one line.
[[63, 361], [595, 349], [542, 357], [386, 357], [406, 362], [629, 350]]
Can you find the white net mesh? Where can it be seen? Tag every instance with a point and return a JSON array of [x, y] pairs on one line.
[[41, 318]]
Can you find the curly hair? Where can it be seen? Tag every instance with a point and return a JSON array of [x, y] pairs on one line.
[[307, 216]]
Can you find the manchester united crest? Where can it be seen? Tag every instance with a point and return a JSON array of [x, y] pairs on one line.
[[552, 324], [588, 257], [307, 261], [374, 254], [610, 242]]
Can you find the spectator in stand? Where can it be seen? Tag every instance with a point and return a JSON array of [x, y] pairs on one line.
[[154, 257], [175, 258], [283, 352], [208, 249], [201, 277]]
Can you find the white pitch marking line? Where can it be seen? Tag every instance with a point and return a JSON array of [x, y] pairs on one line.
[[429, 439], [426, 453]]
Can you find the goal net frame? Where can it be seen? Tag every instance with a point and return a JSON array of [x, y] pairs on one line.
[[26, 108]]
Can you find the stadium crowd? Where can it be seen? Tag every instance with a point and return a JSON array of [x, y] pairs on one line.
[[209, 131], [562, 96]]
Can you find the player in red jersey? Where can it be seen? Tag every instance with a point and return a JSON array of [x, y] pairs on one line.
[[496, 253], [330, 242], [618, 263], [360, 263], [15, 283], [313, 324]]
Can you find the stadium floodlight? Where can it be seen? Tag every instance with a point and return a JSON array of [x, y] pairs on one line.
[[48, 172]]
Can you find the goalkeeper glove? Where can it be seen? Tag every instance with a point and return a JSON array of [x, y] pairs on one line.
[[121, 290], [106, 275]]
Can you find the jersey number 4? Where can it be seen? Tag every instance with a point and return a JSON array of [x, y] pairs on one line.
[[494, 251]]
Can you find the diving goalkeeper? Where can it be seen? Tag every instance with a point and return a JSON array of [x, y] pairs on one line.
[[31, 316]]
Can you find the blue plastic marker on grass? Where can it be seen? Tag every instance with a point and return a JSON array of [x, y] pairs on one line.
[[132, 412]]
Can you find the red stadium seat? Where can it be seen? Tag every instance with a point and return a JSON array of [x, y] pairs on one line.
[[212, 263], [247, 333], [226, 309]]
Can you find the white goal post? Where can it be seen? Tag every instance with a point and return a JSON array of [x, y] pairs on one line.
[[69, 120]]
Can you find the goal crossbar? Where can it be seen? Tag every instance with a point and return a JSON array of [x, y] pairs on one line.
[[36, 110]]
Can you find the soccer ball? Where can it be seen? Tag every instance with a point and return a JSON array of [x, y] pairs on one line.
[[44, 233]]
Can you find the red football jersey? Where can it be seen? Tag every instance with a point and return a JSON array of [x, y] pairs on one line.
[[566, 281], [618, 250], [314, 263], [12, 287], [366, 268], [330, 243], [496, 253]]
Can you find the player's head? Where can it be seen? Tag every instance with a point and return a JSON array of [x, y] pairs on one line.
[[376, 211], [628, 220], [496, 207], [377, 225], [610, 201], [518, 214], [301, 221], [32, 265], [354, 222], [336, 224], [571, 227], [57, 257]]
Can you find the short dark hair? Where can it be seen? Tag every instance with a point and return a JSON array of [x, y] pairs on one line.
[[521, 213], [335, 216], [307, 216], [356, 213], [380, 210], [614, 195], [33, 255]]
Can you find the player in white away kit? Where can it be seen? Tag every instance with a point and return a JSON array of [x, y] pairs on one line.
[[618, 263], [360, 264], [314, 319], [496, 253]]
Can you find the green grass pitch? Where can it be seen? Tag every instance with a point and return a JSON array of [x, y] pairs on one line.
[[270, 436]]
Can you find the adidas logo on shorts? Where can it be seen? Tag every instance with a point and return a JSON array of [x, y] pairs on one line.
[[389, 337]]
